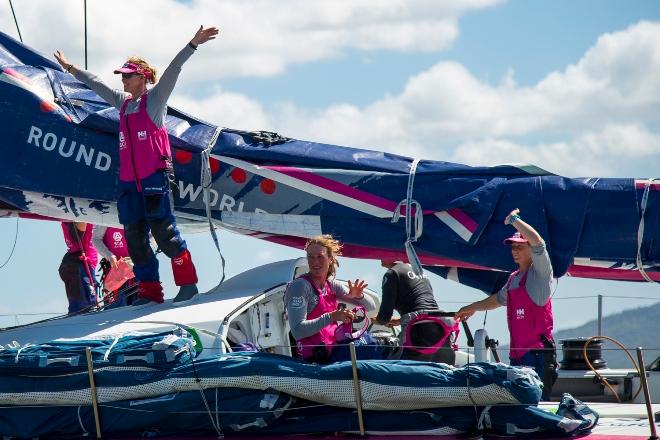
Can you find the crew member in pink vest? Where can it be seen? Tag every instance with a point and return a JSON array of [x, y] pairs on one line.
[[111, 245], [77, 267], [526, 296], [312, 302], [145, 201]]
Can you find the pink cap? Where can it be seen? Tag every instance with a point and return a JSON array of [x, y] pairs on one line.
[[134, 68], [516, 238]]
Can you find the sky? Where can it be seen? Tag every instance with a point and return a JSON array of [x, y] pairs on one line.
[[570, 86]]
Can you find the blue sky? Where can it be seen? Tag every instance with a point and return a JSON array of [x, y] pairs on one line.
[[570, 86]]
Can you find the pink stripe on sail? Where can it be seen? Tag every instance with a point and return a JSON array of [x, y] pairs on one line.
[[340, 188], [463, 219], [641, 184], [606, 273]]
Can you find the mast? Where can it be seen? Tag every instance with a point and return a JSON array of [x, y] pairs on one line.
[[85, 15], [20, 37]]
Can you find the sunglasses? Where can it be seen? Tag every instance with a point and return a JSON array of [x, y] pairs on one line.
[[129, 75]]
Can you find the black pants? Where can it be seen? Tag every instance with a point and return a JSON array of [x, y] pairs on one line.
[[544, 362], [427, 335], [80, 289]]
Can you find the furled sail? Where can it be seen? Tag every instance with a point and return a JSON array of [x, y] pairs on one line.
[[60, 159]]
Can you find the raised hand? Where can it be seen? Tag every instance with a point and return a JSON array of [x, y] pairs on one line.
[[356, 289], [203, 35], [511, 214], [59, 56]]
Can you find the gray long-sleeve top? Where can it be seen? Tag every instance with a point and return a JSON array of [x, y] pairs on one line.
[[99, 244], [301, 298], [539, 280], [158, 94]]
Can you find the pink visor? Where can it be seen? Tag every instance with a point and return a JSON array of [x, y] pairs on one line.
[[134, 68], [515, 238]]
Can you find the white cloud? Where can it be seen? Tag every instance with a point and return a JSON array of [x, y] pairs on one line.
[[615, 150], [258, 37], [597, 117], [226, 109]]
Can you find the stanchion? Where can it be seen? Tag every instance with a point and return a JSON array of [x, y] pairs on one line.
[[647, 398], [92, 387], [356, 388]]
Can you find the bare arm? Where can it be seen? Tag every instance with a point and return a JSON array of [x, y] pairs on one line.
[[525, 229], [489, 303]]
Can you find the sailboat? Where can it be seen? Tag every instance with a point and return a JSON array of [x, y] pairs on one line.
[[441, 216]]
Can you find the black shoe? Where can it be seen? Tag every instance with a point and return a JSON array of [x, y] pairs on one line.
[[186, 294]]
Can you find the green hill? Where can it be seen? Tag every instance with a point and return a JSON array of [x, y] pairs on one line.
[[633, 328]]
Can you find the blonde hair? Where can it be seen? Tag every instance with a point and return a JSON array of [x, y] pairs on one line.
[[332, 247], [142, 63]]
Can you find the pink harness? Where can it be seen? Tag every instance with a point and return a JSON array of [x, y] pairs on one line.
[[348, 331], [450, 326], [527, 321], [143, 147], [327, 304]]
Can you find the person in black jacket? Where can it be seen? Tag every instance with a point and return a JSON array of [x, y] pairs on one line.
[[411, 295]]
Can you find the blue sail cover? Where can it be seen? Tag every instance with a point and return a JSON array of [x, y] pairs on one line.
[[45, 394], [60, 160]]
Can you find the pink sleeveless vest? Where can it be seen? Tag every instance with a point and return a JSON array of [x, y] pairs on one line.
[[327, 304], [73, 244], [527, 321], [143, 147], [114, 240]]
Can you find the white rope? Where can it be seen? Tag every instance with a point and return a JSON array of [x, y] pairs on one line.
[[206, 181], [19, 351], [414, 229], [107, 353], [82, 425], [484, 419], [640, 230]]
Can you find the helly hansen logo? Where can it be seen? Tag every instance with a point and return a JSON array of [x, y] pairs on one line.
[[520, 313], [178, 261], [142, 135]]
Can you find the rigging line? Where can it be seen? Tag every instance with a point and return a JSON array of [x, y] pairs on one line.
[[30, 314], [640, 230], [206, 179], [20, 37], [85, 15], [198, 381], [414, 229], [11, 253], [606, 296]]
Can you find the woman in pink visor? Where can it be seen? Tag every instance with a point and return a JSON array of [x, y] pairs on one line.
[[144, 199], [526, 296]]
